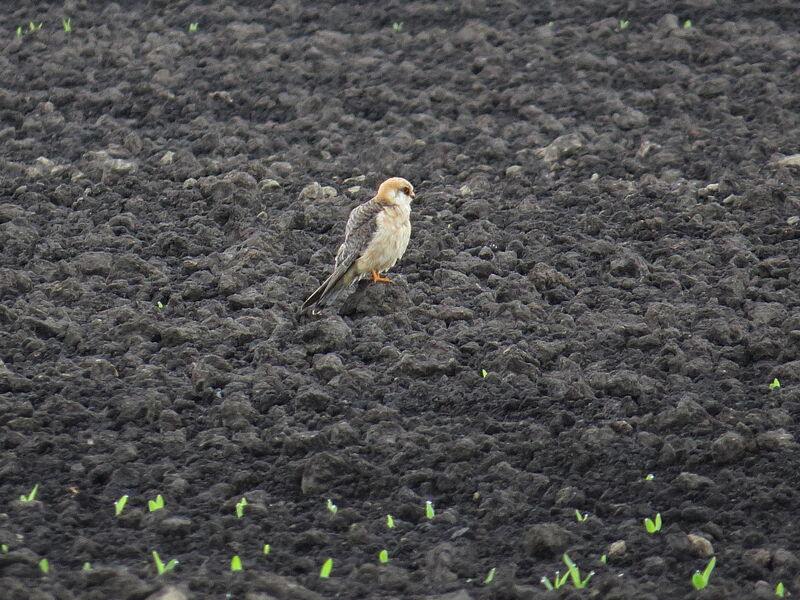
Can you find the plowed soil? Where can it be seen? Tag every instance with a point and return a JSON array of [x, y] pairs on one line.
[[598, 313]]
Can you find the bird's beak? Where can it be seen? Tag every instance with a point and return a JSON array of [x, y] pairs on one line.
[[413, 196]]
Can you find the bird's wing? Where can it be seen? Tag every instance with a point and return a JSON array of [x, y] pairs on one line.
[[358, 233]]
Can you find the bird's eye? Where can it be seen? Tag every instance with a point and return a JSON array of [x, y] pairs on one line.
[[406, 191]]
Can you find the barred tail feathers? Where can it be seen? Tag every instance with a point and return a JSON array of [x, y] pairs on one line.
[[339, 280]]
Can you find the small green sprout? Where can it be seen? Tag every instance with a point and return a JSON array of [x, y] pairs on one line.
[[700, 580], [31, 496], [332, 507], [119, 505], [383, 556], [775, 384], [581, 516], [558, 581], [551, 23], [575, 573], [32, 27], [159, 305], [397, 27], [156, 504], [193, 27], [240, 507], [19, 31], [623, 24], [780, 591], [649, 477], [429, 511], [87, 566], [160, 566], [604, 559], [266, 548], [484, 373], [66, 25], [687, 24], [44, 566], [4, 548], [653, 525], [325, 571], [490, 576], [390, 521], [236, 563]]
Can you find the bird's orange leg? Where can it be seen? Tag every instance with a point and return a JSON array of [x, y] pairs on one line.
[[377, 277]]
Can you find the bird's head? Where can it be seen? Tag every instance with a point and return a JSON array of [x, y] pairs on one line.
[[394, 191]]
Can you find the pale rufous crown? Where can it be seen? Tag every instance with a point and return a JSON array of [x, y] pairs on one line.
[[389, 190]]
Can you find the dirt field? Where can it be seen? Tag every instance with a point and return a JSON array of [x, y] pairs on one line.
[[599, 309]]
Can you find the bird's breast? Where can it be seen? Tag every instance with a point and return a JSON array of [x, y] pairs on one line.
[[389, 243]]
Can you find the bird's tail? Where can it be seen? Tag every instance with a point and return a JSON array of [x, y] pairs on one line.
[[339, 280]]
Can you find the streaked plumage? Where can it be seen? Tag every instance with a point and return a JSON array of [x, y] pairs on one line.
[[375, 237]]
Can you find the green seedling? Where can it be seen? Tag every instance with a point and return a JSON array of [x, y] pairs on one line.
[[687, 24], [397, 27], [653, 525], [775, 384], [780, 591], [266, 548], [649, 477], [4, 548], [575, 573], [87, 566], [19, 31], [484, 373], [623, 24], [193, 27], [44, 566], [31, 496], [581, 516], [551, 23], [390, 521], [160, 566], [32, 27], [236, 563], [156, 504], [332, 507], [429, 511], [700, 580], [325, 571], [490, 576], [383, 556], [159, 305], [240, 507], [604, 559], [66, 25], [558, 581], [119, 505]]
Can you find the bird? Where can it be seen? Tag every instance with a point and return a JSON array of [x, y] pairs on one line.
[[375, 238]]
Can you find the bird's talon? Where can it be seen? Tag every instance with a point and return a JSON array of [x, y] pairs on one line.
[[377, 277]]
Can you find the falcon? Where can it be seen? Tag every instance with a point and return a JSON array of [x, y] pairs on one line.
[[375, 238]]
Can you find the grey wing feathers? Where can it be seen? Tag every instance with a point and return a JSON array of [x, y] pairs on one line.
[[358, 232]]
